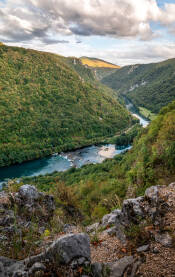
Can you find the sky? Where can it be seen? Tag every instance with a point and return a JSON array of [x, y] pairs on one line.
[[119, 31]]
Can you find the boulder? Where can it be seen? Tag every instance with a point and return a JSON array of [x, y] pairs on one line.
[[152, 195], [64, 250], [112, 218], [69, 248], [172, 185], [164, 239], [17, 269], [28, 193], [118, 268], [97, 269], [143, 248], [132, 209], [92, 228], [6, 261], [120, 234], [2, 270], [34, 202], [37, 267]]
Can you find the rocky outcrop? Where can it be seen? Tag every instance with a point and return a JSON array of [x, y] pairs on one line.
[[151, 206], [34, 202], [21, 211], [71, 252], [68, 249], [118, 268]]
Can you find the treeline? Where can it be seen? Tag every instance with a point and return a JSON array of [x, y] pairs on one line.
[[126, 139]]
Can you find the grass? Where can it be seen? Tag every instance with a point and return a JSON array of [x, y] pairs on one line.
[[147, 113]]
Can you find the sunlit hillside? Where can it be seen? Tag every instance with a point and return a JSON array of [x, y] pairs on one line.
[[92, 62]]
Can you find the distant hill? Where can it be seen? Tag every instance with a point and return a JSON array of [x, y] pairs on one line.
[[148, 86], [100, 68], [94, 62], [49, 103]]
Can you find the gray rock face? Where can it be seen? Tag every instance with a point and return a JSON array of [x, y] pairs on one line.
[[28, 193], [172, 185], [164, 239], [132, 209], [119, 267], [120, 234], [2, 270], [97, 269], [34, 201], [152, 195], [65, 249], [93, 227], [74, 247], [37, 267], [70, 247], [16, 269], [143, 248], [6, 261], [112, 218]]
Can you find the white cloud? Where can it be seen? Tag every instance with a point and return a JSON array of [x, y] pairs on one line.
[[49, 25], [29, 19]]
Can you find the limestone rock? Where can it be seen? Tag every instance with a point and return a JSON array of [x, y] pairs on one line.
[[92, 228], [97, 269], [118, 268], [112, 218], [37, 267], [34, 202], [164, 239], [2, 270], [132, 209], [152, 195], [143, 248], [28, 193], [65, 249], [172, 185]]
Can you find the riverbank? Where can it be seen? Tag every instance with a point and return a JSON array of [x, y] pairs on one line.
[[101, 149], [140, 113], [61, 162]]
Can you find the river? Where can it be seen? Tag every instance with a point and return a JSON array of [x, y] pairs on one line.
[[64, 161], [130, 107]]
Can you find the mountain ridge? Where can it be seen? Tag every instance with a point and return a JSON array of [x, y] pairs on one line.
[[149, 86]]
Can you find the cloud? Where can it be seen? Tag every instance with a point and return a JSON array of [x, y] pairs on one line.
[[25, 20], [65, 26]]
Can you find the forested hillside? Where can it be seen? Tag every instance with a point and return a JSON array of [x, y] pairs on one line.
[[99, 188], [151, 86], [46, 106]]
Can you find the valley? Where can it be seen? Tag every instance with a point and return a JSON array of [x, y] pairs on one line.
[[80, 152], [49, 103], [64, 161], [149, 86], [87, 138]]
